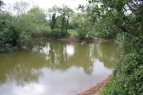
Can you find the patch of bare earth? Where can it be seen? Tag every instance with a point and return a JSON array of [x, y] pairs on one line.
[[71, 38], [95, 89], [95, 40]]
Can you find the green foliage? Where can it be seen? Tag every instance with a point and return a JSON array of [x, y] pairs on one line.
[[76, 20], [57, 34], [8, 32], [53, 22], [32, 25], [20, 29], [101, 25], [83, 26], [131, 67], [83, 34], [58, 22], [111, 88], [62, 20], [128, 71], [128, 76], [105, 28]]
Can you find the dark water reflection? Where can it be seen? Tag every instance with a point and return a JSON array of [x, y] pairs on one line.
[[55, 68]]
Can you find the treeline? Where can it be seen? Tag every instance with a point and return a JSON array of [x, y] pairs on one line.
[[20, 26]]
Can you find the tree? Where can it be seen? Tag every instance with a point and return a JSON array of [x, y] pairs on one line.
[[58, 22], [52, 15], [53, 22], [83, 25], [33, 24], [77, 20], [66, 13], [9, 33]]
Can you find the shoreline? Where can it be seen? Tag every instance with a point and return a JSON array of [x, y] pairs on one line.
[[94, 40], [96, 88]]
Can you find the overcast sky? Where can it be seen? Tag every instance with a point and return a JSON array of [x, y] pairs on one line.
[[45, 4]]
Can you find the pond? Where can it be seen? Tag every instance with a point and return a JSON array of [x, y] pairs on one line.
[[55, 68]]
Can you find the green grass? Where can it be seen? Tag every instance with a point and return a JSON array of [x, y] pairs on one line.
[[72, 31]]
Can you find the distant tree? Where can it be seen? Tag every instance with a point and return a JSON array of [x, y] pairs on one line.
[[66, 13], [59, 18], [34, 23], [58, 21], [53, 21], [52, 16]]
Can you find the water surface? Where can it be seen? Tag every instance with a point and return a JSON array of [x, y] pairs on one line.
[[55, 68]]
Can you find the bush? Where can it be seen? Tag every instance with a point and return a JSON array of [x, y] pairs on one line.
[[54, 34], [83, 34], [111, 88], [9, 36], [57, 34], [106, 34], [128, 72], [130, 78]]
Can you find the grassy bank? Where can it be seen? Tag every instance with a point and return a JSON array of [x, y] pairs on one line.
[[72, 31]]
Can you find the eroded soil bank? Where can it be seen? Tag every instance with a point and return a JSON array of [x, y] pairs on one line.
[[95, 89], [95, 40]]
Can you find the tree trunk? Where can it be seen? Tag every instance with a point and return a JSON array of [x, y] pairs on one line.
[[63, 22], [67, 25]]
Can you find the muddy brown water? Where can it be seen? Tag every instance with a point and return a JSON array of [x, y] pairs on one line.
[[55, 68]]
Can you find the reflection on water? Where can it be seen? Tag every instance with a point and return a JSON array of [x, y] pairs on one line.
[[55, 68], [70, 50]]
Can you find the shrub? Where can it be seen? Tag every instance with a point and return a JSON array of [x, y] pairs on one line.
[[83, 34], [128, 72], [57, 34], [111, 88], [9, 36], [130, 76]]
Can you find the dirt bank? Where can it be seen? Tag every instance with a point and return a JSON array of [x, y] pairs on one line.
[[72, 38], [95, 89]]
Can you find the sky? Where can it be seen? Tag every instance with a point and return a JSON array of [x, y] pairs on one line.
[[45, 4]]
